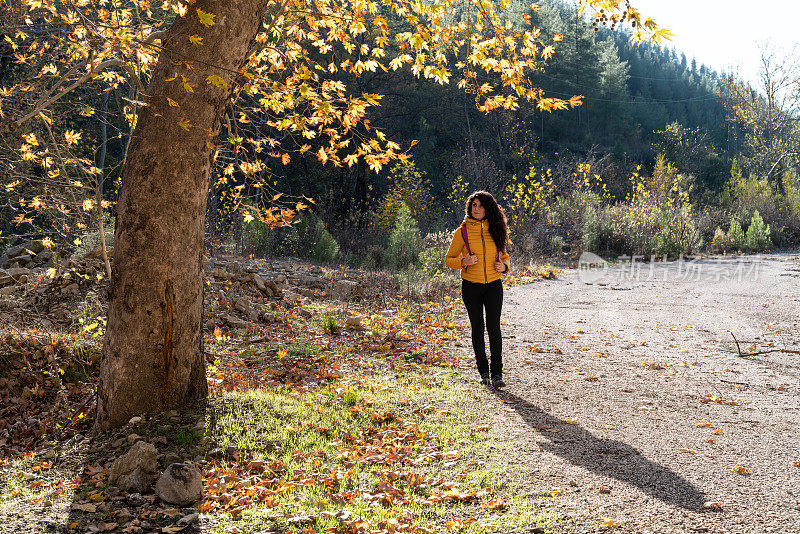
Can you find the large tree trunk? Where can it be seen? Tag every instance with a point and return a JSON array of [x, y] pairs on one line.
[[153, 348]]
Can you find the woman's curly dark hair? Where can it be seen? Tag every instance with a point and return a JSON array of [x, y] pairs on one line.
[[498, 224]]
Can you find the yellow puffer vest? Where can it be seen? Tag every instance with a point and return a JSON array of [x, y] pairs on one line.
[[482, 245]]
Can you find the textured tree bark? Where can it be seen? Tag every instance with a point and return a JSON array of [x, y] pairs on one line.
[[153, 348]]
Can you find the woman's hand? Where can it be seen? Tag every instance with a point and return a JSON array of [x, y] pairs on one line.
[[471, 259], [499, 266]]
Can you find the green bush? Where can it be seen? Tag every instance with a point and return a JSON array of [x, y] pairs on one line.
[[721, 242], [736, 235], [327, 249], [305, 238], [757, 237], [431, 260], [329, 324], [404, 241]]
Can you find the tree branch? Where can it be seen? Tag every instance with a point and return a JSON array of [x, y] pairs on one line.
[[50, 101], [745, 354]]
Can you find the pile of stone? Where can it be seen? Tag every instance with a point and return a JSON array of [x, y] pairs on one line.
[[27, 255], [251, 290]]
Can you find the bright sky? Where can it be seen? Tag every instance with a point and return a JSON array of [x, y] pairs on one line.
[[725, 34]]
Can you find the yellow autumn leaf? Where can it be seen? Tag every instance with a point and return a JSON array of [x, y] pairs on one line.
[[217, 81], [206, 19], [88, 204], [739, 470], [72, 137], [282, 353], [196, 39], [496, 504], [609, 523]]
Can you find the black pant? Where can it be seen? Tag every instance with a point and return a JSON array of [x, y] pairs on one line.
[[490, 296]]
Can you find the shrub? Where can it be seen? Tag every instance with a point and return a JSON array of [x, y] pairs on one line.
[[721, 242], [736, 235], [404, 241], [329, 324], [431, 261], [409, 187], [305, 238], [757, 237], [327, 249], [527, 200]]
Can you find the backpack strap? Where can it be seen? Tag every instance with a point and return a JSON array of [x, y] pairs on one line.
[[466, 239], [466, 242]]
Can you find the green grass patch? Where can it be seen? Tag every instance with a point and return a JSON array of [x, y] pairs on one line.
[[393, 450]]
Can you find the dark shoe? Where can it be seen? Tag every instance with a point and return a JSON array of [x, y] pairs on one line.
[[497, 382], [485, 379]]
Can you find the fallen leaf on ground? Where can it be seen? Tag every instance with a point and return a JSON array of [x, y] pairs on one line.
[[609, 523], [740, 470]]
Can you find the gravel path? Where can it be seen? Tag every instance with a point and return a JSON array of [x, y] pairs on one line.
[[627, 394]]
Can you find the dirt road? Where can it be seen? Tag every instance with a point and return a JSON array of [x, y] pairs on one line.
[[626, 393]]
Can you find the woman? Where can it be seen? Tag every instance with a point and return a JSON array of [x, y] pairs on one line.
[[482, 258]]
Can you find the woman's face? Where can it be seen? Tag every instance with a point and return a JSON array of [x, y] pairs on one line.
[[477, 209]]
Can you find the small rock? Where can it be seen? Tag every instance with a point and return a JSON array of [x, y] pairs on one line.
[[22, 260], [347, 290], [189, 519], [242, 304], [219, 274], [259, 283], [5, 278], [353, 323], [136, 499], [134, 472], [180, 484], [17, 272], [133, 438], [235, 322], [124, 515], [135, 420], [31, 247]]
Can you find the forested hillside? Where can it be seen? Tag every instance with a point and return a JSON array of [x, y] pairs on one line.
[[563, 176]]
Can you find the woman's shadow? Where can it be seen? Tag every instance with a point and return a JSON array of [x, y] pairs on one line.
[[606, 457]]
